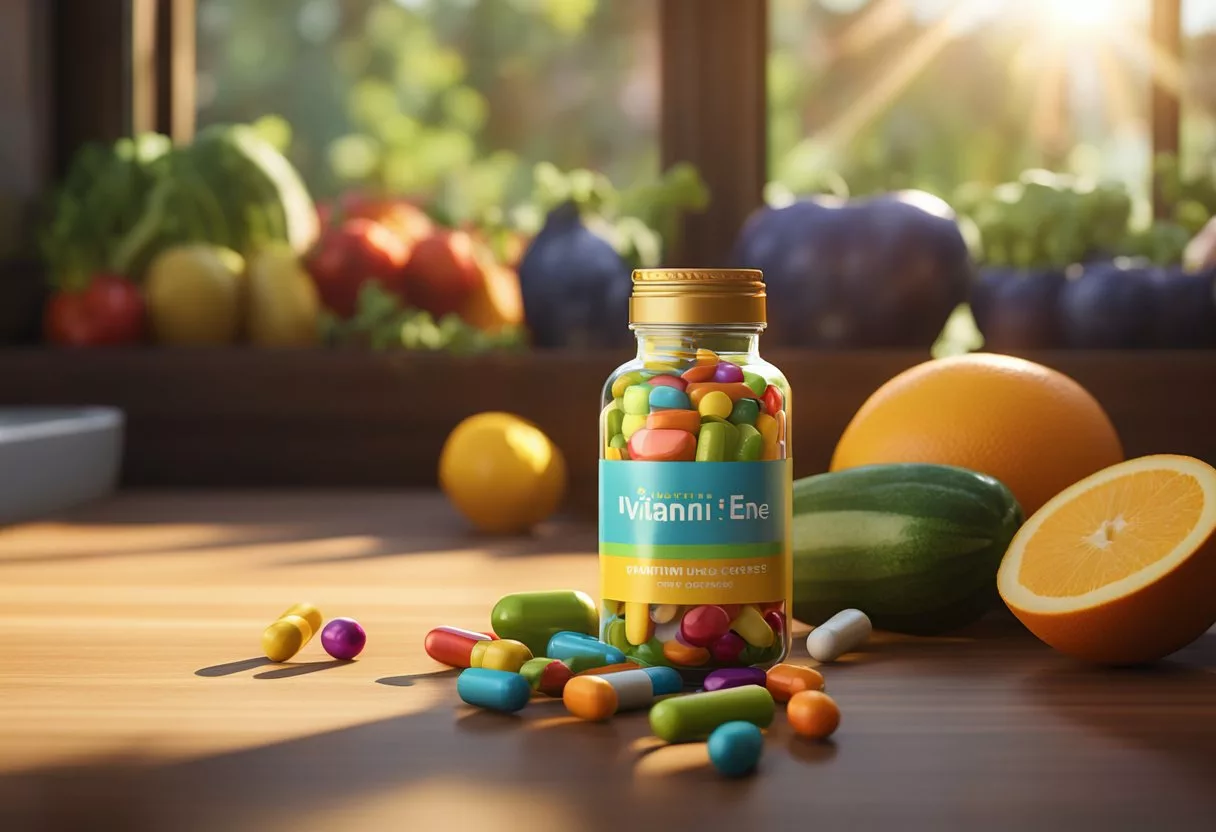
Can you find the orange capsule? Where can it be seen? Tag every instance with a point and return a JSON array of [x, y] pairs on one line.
[[787, 680], [688, 421], [684, 654], [813, 714], [700, 373]]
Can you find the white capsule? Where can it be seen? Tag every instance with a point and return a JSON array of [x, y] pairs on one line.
[[845, 631]]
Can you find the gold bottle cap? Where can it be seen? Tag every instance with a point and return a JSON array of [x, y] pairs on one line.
[[698, 296]]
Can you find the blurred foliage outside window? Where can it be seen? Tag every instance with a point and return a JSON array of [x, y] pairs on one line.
[[931, 94], [451, 101]]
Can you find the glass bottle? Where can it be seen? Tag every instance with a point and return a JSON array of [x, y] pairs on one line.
[[696, 480]]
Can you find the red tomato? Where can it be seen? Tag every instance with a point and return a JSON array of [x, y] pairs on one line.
[[349, 255], [443, 273], [406, 220], [108, 312]]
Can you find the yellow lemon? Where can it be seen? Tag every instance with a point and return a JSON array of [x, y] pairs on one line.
[[502, 472]]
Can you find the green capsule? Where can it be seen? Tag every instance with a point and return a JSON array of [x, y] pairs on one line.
[[533, 617], [578, 664], [650, 654], [694, 717], [744, 412], [637, 399], [625, 380], [751, 444], [713, 442], [756, 382], [614, 418], [614, 634]]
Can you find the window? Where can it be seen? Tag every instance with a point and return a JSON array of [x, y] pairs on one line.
[[451, 100], [931, 94], [1199, 90]]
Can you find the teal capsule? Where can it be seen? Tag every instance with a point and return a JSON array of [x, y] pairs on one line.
[[495, 690], [636, 401], [668, 398], [751, 444], [757, 383], [567, 645], [744, 412], [735, 747]]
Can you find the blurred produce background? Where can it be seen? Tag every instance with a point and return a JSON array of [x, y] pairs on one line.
[[476, 175]]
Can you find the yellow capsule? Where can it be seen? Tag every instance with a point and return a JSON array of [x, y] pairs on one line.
[[750, 624], [663, 613], [768, 428], [638, 626], [306, 611], [631, 424], [501, 654], [285, 637], [613, 454]]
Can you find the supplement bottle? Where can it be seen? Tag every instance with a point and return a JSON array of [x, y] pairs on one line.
[[695, 480]]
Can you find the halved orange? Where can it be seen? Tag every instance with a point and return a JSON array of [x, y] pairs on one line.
[[1119, 568]]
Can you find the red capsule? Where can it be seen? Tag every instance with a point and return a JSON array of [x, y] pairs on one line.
[[453, 646], [776, 621], [703, 625], [726, 649], [774, 402], [668, 381]]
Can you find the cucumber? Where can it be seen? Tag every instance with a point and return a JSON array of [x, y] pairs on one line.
[[914, 546]]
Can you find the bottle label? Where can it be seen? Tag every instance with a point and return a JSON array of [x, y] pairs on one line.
[[695, 532]]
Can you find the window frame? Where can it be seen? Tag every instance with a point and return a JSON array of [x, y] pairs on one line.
[[124, 65]]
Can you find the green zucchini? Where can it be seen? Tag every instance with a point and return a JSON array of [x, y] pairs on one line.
[[914, 546]]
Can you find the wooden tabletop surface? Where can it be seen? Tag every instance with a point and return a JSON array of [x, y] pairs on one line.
[[132, 696]]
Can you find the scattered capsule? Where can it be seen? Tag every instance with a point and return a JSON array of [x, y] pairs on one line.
[[812, 713], [785, 680], [567, 645], [285, 637], [583, 663], [733, 677], [343, 638], [533, 617], [500, 654], [545, 675], [495, 690], [734, 748], [306, 611], [596, 698], [453, 646], [842, 633], [694, 717]]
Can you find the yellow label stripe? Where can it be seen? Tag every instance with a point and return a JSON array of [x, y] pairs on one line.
[[705, 551]]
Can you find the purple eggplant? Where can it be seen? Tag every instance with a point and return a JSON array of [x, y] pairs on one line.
[[1016, 309], [1108, 306]]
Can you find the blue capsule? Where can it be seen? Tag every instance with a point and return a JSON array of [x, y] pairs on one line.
[[568, 645], [734, 748], [669, 398], [496, 690], [664, 680]]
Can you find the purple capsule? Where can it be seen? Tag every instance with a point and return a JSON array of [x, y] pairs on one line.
[[343, 638], [727, 648], [734, 677], [727, 372]]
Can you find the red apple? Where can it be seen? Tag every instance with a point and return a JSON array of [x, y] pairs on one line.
[[352, 253], [443, 272]]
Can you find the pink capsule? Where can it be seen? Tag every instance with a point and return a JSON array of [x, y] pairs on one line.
[[726, 649], [703, 625], [726, 372], [669, 381]]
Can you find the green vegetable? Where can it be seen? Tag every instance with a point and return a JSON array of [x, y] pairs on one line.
[[381, 322], [121, 205], [914, 546]]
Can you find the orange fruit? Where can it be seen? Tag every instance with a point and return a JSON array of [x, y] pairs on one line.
[[502, 472], [1032, 428], [1120, 567]]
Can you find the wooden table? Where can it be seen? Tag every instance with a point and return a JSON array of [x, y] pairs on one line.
[[132, 697]]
